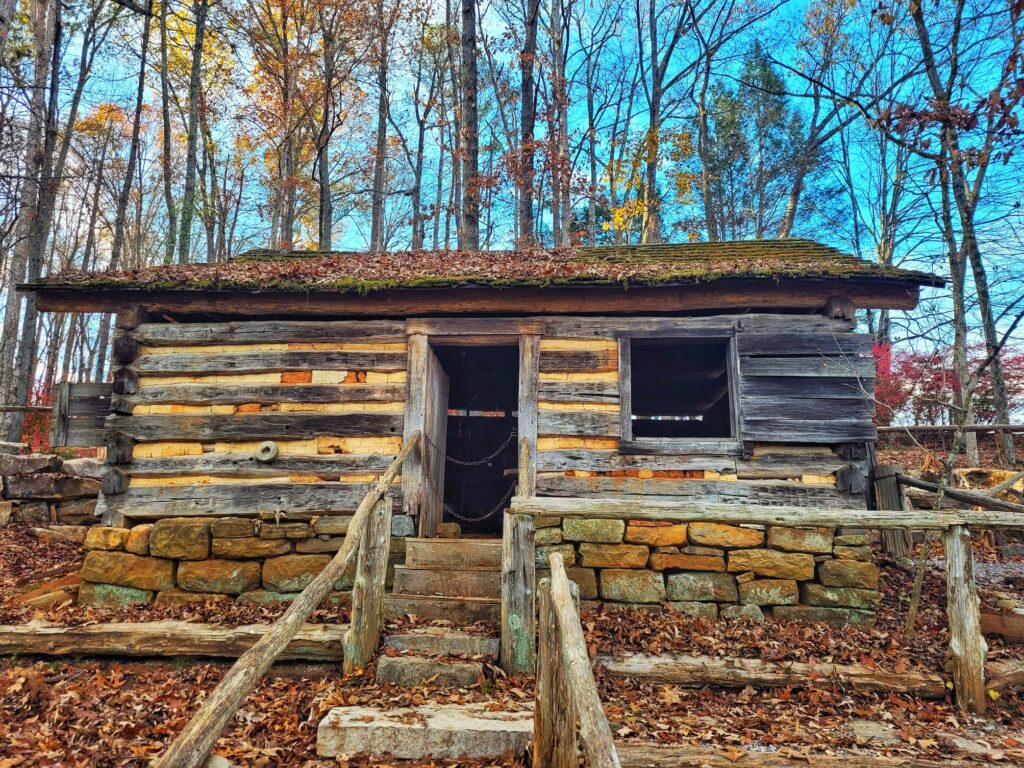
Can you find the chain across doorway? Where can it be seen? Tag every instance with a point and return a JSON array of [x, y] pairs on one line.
[[449, 509]]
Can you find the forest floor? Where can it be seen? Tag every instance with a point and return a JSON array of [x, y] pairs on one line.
[[92, 712]]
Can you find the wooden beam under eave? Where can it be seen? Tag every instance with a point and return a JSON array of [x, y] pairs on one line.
[[598, 299]]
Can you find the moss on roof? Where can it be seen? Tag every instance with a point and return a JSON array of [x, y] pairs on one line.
[[268, 271]]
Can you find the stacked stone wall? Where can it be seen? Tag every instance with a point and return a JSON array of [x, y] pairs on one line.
[[709, 569], [183, 560], [44, 488]]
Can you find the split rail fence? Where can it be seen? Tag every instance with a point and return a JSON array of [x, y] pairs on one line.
[[967, 645]]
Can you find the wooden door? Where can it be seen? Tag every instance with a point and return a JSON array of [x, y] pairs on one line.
[[426, 411]]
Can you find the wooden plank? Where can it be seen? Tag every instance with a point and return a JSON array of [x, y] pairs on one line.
[[435, 442], [579, 391], [685, 511], [700, 671], [265, 394], [527, 425], [59, 416], [252, 426], [650, 755], [889, 495], [327, 467], [804, 343], [571, 361], [716, 491], [475, 326], [367, 613], [268, 332], [226, 499], [625, 390], [412, 476], [780, 462], [167, 638], [613, 461], [555, 742], [587, 423], [784, 430], [518, 585], [828, 409], [681, 445], [826, 367], [967, 646], [810, 388], [184, 363]]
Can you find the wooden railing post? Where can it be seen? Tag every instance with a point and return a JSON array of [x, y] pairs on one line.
[[518, 586], [363, 634], [967, 646], [554, 716], [889, 495]]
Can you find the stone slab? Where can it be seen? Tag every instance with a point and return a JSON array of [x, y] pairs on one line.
[[443, 642], [414, 671], [437, 731]]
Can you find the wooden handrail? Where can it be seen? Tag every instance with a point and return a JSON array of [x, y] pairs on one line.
[[566, 690], [967, 497], [951, 428], [195, 742]]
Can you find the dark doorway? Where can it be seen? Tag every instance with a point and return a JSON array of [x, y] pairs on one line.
[[481, 448]]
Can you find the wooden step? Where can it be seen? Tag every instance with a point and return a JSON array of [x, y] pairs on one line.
[[453, 553], [460, 611], [451, 582]]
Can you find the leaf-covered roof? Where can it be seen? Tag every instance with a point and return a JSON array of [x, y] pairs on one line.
[[268, 271]]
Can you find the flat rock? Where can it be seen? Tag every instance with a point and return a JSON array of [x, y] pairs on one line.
[[769, 592], [657, 535], [594, 531], [412, 671], [703, 587], [773, 564], [84, 467], [178, 596], [741, 612], [112, 595], [719, 535], [180, 539], [624, 585], [613, 555], [437, 731], [76, 511], [250, 547], [706, 611], [546, 537], [443, 642], [801, 539], [848, 573], [541, 555], [102, 537], [872, 732], [233, 527], [127, 570], [138, 539], [22, 464], [837, 617], [332, 525], [226, 577], [839, 597]]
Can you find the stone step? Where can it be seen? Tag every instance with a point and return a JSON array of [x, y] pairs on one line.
[[441, 641], [458, 610], [413, 671], [453, 582], [438, 731], [453, 553]]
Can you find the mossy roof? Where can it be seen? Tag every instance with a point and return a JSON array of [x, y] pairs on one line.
[[268, 271]]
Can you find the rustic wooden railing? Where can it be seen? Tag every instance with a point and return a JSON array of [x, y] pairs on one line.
[[566, 693], [967, 645], [369, 535]]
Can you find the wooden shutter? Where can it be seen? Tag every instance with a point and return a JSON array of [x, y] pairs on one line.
[[805, 387], [79, 411]]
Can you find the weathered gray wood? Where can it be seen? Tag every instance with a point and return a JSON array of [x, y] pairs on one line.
[[367, 613], [595, 735], [700, 671], [194, 743], [178, 363], [613, 461], [686, 511], [217, 500], [967, 646], [889, 495], [554, 714], [252, 426], [824, 367], [967, 497], [790, 461], [435, 443], [59, 416], [680, 445], [790, 430], [773, 492], [126, 381], [830, 409], [268, 332], [809, 388], [587, 423], [569, 361], [804, 343], [328, 467], [125, 348], [518, 584], [650, 755], [474, 326], [529, 373], [265, 394], [166, 638], [625, 391], [579, 391], [78, 414], [413, 482], [115, 481]]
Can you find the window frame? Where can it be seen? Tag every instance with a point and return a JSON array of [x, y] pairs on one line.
[[730, 446]]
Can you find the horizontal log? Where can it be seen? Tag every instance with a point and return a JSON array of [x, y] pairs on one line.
[[185, 363], [681, 445], [785, 461], [578, 391], [650, 755], [857, 408], [803, 343], [314, 642], [268, 332], [967, 497], [585, 423], [253, 426], [1006, 624], [265, 394], [328, 467], [808, 388], [1005, 676], [925, 428], [226, 499], [612, 461], [824, 367], [782, 430], [570, 361], [49, 486], [774, 492], [683, 511], [699, 671]]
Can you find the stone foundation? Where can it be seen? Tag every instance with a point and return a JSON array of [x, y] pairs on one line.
[[43, 488], [182, 560], [708, 569]]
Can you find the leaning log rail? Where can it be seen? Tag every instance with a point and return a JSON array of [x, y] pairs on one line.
[[565, 690], [195, 742], [967, 645]]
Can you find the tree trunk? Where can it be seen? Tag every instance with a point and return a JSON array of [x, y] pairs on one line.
[[380, 145], [652, 205], [469, 234], [527, 122], [165, 153], [200, 9]]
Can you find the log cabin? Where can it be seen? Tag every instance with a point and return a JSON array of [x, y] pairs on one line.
[[254, 401]]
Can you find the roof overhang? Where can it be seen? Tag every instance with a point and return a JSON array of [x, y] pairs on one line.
[[779, 294]]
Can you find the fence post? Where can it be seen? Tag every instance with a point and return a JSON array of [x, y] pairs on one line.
[[889, 495], [518, 583], [363, 634], [967, 646], [554, 717]]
